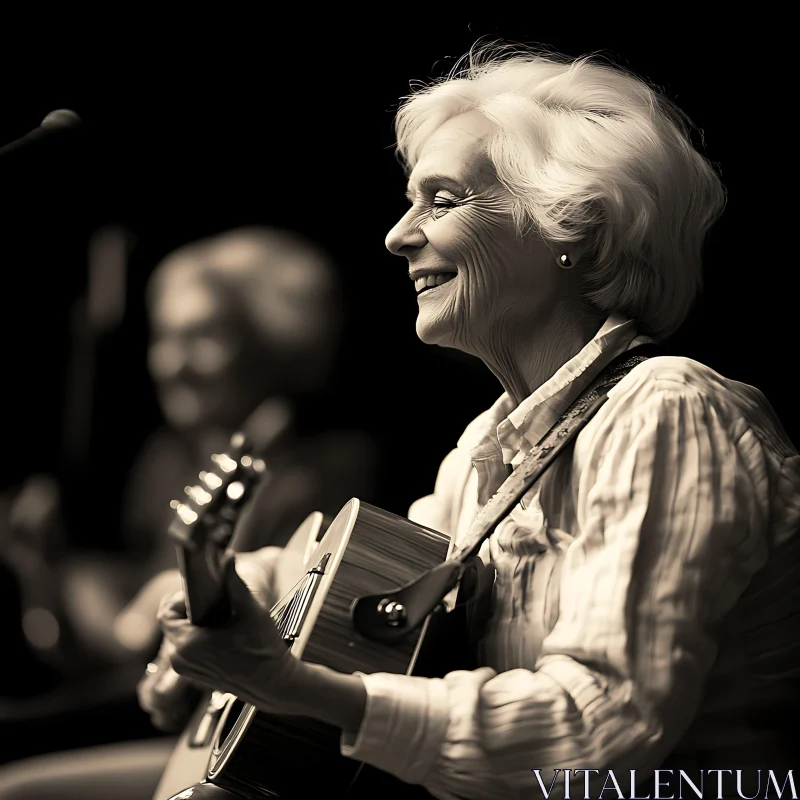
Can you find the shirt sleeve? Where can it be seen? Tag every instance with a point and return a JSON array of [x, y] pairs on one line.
[[671, 501]]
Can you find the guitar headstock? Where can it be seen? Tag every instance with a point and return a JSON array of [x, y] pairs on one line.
[[204, 523], [211, 507]]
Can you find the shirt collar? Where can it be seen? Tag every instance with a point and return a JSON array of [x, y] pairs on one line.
[[509, 433]]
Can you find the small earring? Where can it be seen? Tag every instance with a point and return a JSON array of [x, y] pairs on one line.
[[565, 262]]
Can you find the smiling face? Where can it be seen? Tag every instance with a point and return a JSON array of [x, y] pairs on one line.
[[477, 280]]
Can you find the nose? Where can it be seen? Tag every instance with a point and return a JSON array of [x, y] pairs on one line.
[[406, 236]]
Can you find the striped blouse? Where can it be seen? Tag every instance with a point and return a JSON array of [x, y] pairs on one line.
[[627, 624]]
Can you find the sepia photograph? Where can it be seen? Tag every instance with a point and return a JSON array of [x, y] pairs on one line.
[[398, 408]]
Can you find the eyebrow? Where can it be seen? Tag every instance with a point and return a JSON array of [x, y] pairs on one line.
[[430, 180]]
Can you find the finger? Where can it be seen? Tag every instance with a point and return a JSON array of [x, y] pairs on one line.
[[165, 693], [258, 574], [172, 616], [241, 598], [191, 648], [175, 710], [160, 667], [178, 632], [173, 606], [162, 659], [183, 668], [193, 672]]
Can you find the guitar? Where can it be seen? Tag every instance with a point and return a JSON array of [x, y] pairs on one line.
[[231, 750]]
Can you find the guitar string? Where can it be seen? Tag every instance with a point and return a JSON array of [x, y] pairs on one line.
[[282, 616], [297, 613]]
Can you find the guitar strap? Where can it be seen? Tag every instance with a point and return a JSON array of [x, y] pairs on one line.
[[549, 447], [424, 594]]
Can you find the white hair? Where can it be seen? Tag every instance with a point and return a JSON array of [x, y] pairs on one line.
[[594, 157]]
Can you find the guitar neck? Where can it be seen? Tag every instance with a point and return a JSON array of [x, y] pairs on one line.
[[203, 528], [207, 602]]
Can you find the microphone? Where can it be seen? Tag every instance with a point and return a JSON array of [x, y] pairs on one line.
[[54, 124]]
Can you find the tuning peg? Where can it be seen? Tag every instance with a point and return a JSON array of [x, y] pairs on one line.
[[198, 494], [235, 491], [186, 514], [211, 480], [224, 462], [256, 464]]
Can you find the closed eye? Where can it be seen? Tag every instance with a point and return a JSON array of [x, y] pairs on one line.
[[442, 204]]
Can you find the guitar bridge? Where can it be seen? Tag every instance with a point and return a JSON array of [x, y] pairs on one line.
[[291, 617]]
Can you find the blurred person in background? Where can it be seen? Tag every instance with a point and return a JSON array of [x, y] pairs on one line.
[[244, 330]]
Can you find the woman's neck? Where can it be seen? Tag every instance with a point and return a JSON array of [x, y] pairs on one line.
[[523, 360]]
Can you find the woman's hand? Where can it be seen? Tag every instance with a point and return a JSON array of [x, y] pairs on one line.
[[247, 657], [167, 697], [136, 627], [170, 698]]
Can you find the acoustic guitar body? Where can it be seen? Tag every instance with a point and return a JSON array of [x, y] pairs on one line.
[[231, 750]]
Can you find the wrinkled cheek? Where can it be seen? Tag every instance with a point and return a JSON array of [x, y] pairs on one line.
[[478, 294], [463, 323], [466, 308], [451, 237], [468, 245]]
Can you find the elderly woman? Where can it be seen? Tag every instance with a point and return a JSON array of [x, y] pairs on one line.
[[557, 215]]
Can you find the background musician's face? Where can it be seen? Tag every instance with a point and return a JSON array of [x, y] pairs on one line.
[[201, 357], [477, 280]]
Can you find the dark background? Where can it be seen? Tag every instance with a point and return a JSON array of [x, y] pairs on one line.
[[190, 132]]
